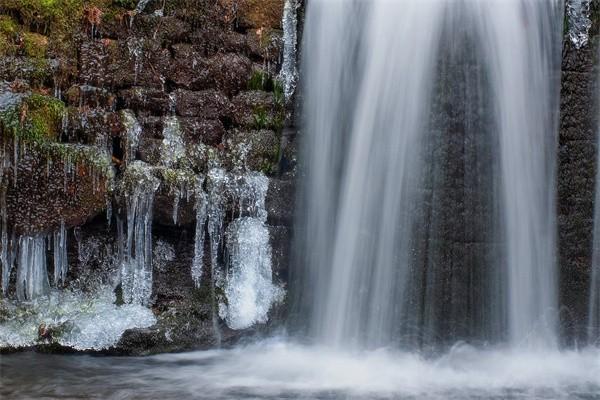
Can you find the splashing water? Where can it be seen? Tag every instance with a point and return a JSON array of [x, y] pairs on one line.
[[81, 321], [248, 286]]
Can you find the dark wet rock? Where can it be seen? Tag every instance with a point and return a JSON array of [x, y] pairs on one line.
[[198, 130], [265, 46], [228, 72], [152, 127], [90, 96], [260, 14], [37, 71], [149, 150], [259, 148], [249, 105], [139, 61], [281, 241], [154, 101], [280, 202], [47, 192], [188, 69], [164, 29], [208, 104], [93, 126], [94, 69], [117, 64], [577, 169]]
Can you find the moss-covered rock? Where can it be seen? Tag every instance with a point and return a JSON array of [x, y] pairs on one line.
[[37, 118]]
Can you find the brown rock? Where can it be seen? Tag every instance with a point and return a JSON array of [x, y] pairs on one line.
[[208, 104]]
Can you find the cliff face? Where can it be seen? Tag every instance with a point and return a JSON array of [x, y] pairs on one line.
[[93, 92], [577, 158]]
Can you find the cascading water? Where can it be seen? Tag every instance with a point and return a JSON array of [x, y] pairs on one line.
[[369, 203], [520, 39]]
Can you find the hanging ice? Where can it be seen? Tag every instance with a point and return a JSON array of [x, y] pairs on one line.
[[579, 21], [7, 246], [289, 71], [60, 255], [247, 283], [136, 265], [32, 275], [172, 148], [133, 131], [201, 215], [82, 321]]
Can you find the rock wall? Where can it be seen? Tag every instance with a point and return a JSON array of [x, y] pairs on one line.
[[577, 154], [184, 86]]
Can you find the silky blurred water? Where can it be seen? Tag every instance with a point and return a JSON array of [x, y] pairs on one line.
[[277, 369]]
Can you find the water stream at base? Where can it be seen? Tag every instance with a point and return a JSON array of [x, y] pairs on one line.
[[277, 369]]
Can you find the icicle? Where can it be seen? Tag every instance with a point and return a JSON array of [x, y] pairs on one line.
[[173, 101], [32, 274], [61, 264], [136, 265], [15, 165], [133, 131], [201, 215], [246, 280], [108, 211], [172, 148], [6, 254], [135, 47], [176, 198], [289, 71]]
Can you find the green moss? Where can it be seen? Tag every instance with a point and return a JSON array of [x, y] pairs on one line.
[[261, 80], [261, 118], [35, 45], [278, 95], [37, 119], [8, 26], [6, 47], [265, 120]]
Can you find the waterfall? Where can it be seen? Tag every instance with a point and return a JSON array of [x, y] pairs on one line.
[[379, 264], [524, 63]]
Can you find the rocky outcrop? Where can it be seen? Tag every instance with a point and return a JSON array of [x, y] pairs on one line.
[[184, 87], [577, 157]]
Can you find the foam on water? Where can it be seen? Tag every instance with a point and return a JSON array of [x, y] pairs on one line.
[[276, 369]]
